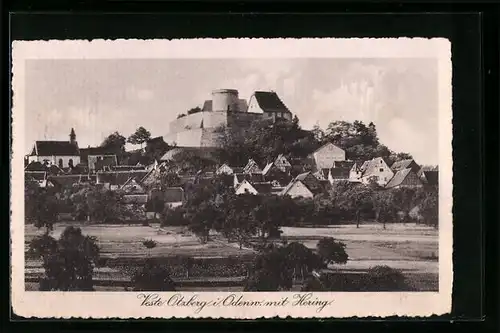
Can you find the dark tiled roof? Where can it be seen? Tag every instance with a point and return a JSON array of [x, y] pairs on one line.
[[340, 173], [85, 152], [404, 164], [343, 164], [398, 178], [270, 102], [35, 166], [262, 187], [65, 180], [312, 183], [59, 148], [432, 177]]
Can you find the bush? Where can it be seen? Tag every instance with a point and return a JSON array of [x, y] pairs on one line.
[[378, 278], [153, 277], [385, 278]]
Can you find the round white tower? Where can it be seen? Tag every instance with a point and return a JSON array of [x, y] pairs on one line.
[[225, 100]]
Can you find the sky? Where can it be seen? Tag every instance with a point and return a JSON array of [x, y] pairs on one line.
[[99, 96]]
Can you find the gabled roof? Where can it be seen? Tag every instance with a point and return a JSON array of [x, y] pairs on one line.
[[35, 166], [252, 167], [65, 180], [326, 145], [311, 182], [371, 166], [291, 184], [56, 148], [398, 178], [281, 160], [270, 102], [403, 164], [267, 168]]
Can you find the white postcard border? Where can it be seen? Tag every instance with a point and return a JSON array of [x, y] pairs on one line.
[[126, 304]]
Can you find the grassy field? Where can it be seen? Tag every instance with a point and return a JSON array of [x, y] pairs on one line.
[[412, 249]]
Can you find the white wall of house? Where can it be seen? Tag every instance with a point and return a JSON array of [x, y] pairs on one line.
[[298, 189], [55, 159], [253, 106], [379, 171], [327, 155], [245, 187], [224, 170]]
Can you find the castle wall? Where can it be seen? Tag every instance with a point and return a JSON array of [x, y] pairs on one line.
[[242, 119]]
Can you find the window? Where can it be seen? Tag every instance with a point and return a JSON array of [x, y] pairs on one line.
[[381, 170]]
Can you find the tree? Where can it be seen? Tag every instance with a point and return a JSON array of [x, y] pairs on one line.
[[68, 262], [115, 142], [153, 277], [194, 110], [149, 244], [181, 115], [405, 199], [384, 207], [302, 259], [140, 136], [332, 251], [41, 206], [238, 223], [429, 208], [357, 199], [271, 272], [201, 219]]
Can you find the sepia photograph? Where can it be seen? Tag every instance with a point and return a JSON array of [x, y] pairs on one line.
[[232, 174]]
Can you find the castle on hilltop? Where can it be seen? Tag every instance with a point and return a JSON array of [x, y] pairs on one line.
[[225, 109]]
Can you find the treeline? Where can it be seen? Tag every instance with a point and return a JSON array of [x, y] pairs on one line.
[[263, 141]]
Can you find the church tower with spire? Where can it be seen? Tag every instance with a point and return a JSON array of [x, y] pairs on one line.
[[72, 137]]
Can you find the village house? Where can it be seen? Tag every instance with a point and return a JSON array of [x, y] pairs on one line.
[[252, 167], [305, 185], [376, 170], [325, 156], [253, 188], [225, 169], [250, 177], [282, 163], [274, 173], [114, 180], [64, 154], [405, 178], [269, 105]]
